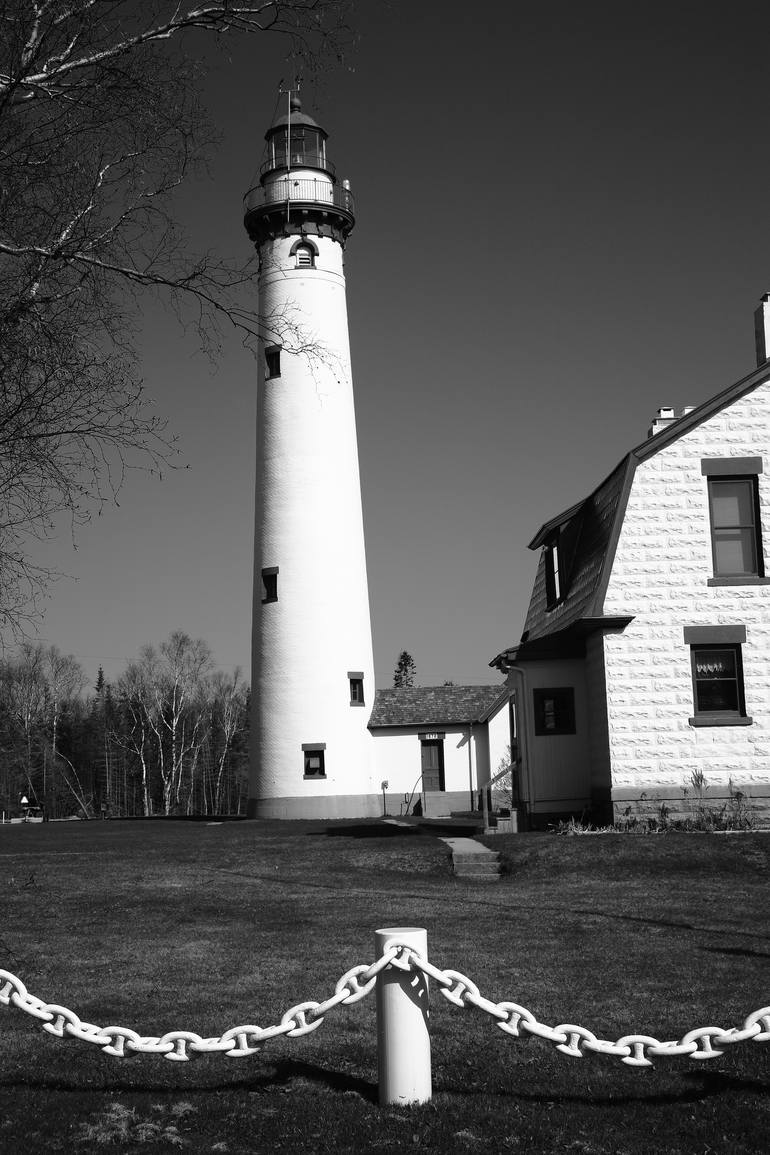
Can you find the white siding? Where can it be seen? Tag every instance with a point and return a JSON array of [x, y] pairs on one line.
[[557, 775], [398, 761]]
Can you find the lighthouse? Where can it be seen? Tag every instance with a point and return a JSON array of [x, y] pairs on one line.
[[312, 666]]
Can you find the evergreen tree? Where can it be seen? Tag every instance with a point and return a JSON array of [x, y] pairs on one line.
[[405, 671]]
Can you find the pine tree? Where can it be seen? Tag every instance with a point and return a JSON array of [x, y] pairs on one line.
[[405, 671]]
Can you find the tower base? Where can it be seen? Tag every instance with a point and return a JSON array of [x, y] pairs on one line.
[[324, 807]]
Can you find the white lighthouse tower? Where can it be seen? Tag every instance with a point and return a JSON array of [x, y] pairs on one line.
[[312, 665]]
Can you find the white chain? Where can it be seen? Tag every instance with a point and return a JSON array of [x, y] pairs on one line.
[[570, 1039], [356, 984], [179, 1046]]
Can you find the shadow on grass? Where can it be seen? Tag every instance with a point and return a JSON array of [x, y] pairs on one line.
[[366, 830], [292, 1076], [379, 828], [283, 1075], [744, 952], [702, 1085]]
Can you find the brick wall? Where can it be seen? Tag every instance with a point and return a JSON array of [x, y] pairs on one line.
[[662, 565]]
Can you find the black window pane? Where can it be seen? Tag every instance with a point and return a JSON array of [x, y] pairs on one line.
[[273, 362], [717, 680], [315, 764], [717, 695], [270, 586], [554, 710], [356, 690]]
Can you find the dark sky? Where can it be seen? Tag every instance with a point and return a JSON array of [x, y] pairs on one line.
[[562, 224]]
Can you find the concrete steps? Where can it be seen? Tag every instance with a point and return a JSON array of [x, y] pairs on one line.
[[473, 861]]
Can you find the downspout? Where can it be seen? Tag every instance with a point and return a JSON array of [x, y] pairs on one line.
[[470, 763], [479, 786], [521, 717]]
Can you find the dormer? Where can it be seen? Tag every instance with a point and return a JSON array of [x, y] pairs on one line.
[[558, 539]]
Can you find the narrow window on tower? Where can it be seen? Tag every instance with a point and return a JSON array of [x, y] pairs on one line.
[[313, 754], [356, 681], [304, 257], [273, 361], [270, 584]]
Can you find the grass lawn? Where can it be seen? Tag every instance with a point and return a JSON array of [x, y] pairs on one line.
[[162, 926]]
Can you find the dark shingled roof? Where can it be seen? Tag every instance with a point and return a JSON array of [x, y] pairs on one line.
[[585, 532], [433, 706], [588, 533]]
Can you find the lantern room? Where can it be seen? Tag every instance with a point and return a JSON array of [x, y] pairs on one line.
[[297, 191], [294, 140]]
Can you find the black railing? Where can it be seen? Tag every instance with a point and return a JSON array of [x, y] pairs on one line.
[[291, 190]]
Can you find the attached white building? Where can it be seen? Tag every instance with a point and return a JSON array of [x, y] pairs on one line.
[[644, 665]]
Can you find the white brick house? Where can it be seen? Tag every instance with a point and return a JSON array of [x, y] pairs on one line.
[[645, 657]]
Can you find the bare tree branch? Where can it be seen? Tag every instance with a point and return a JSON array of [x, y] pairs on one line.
[[100, 121]]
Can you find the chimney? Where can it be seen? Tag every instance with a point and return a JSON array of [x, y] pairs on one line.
[[762, 330], [665, 417], [661, 420]]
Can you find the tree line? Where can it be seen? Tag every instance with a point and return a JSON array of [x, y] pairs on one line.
[[170, 736]]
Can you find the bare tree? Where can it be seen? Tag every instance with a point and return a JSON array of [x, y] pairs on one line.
[[37, 687], [99, 123]]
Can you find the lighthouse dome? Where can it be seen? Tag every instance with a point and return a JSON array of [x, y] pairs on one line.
[[295, 140]]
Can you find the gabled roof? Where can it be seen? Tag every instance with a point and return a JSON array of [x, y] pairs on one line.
[[433, 706], [588, 533]]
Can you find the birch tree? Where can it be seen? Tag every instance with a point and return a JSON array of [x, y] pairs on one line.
[[23, 705], [168, 685], [64, 679], [133, 732], [229, 710]]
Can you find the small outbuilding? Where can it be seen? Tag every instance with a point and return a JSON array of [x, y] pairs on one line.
[[437, 746]]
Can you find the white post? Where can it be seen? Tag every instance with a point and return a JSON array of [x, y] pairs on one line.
[[403, 1040]]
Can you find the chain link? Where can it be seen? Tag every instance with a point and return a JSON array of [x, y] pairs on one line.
[[356, 984]]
